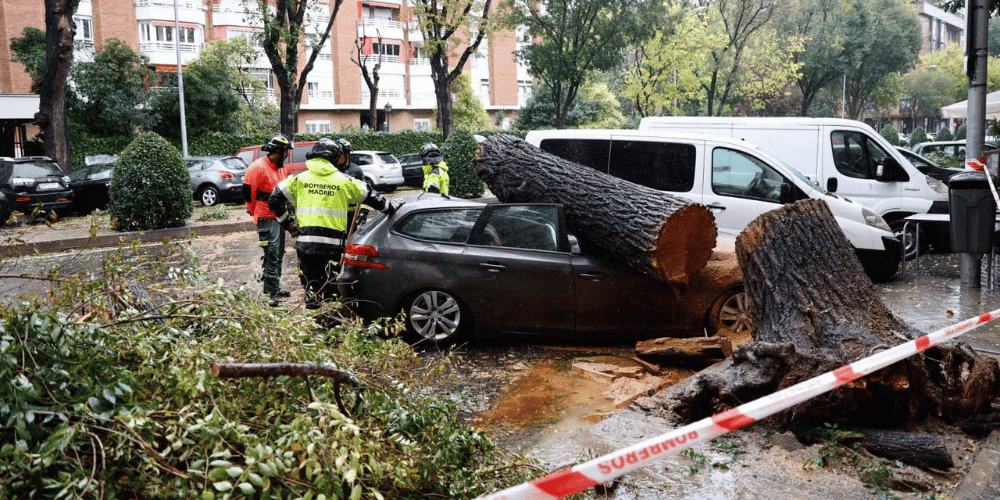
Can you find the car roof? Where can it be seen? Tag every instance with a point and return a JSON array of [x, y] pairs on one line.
[[370, 152], [421, 200]]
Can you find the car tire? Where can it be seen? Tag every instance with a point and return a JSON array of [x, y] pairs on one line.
[[435, 318], [730, 311], [208, 196], [909, 240], [5, 213]]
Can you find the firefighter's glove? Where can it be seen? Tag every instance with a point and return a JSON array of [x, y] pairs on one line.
[[293, 230], [392, 206]]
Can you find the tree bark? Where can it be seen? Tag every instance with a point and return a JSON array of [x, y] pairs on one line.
[[246, 370], [51, 116], [922, 450], [682, 351], [662, 235], [817, 311]]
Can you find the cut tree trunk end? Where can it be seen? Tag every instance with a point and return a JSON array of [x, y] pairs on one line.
[[818, 311], [657, 233]]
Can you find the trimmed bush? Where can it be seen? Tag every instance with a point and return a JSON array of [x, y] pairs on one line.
[[918, 136], [890, 134], [458, 151], [960, 132], [943, 135], [151, 187]]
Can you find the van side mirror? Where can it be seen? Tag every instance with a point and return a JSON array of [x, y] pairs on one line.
[[831, 184], [785, 193], [891, 171]]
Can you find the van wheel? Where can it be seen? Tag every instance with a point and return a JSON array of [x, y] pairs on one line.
[[909, 238]]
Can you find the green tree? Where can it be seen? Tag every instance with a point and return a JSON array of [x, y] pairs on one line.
[[211, 99], [597, 107], [738, 21], [823, 25], [468, 111], [282, 37], [151, 188], [235, 57], [768, 73], [111, 96], [660, 75], [53, 88], [950, 62], [928, 90], [578, 37], [29, 50], [993, 38], [447, 25], [886, 39]]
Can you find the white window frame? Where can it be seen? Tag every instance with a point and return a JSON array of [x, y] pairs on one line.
[[421, 124], [318, 126], [84, 29]]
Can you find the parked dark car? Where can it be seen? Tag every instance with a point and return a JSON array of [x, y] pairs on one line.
[[458, 268], [91, 185], [413, 173], [31, 182], [216, 178], [928, 167]]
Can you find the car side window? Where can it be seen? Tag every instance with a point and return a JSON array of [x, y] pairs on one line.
[[735, 173], [665, 166], [591, 153], [530, 227], [101, 171], [447, 226]]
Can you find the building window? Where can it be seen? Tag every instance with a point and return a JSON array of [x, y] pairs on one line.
[[84, 29], [385, 49], [313, 89], [484, 87], [422, 124], [317, 126], [186, 35]]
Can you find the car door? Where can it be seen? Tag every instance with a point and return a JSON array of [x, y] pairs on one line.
[[518, 271], [741, 187], [612, 298], [856, 158]]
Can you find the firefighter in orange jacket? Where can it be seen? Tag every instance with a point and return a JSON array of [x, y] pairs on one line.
[[261, 178]]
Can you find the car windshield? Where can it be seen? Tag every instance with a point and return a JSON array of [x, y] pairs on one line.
[[36, 169]]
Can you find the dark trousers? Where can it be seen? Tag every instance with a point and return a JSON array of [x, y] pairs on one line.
[[272, 242], [319, 276]]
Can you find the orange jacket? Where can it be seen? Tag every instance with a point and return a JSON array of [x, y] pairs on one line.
[[261, 178]]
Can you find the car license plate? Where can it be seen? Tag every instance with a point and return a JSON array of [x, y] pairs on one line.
[[48, 186]]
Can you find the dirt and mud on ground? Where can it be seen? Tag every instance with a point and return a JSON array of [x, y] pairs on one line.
[[532, 401]]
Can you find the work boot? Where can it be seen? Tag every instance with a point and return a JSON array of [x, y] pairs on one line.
[[273, 301], [284, 293]]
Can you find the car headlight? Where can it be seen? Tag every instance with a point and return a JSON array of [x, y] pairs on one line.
[[21, 182], [936, 185], [874, 220]]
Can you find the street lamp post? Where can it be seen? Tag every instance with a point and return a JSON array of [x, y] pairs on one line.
[[180, 80], [388, 109]]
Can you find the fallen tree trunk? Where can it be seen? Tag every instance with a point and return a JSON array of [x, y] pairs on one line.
[[817, 311], [657, 233], [922, 450]]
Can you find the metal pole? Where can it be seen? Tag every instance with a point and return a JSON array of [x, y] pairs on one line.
[[180, 80], [976, 52]]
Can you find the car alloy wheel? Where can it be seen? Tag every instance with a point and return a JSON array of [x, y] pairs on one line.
[[434, 315], [209, 196], [731, 311]]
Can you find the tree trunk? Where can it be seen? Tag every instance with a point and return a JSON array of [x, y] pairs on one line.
[[683, 351], [659, 234], [922, 450], [51, 116], [817, 311]]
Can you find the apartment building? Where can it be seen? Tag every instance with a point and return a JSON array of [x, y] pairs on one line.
[[336, 95]]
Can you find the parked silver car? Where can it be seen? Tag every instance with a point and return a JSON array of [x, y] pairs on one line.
[[216, 178], [382, 170], [458, 267]]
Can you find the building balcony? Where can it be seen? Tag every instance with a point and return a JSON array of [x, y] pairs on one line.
[[165, 53], [374, 28], [229, 14], [188, 11]]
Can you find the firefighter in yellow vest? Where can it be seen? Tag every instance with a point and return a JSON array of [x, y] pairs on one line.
[[313, 207], [435, 169]]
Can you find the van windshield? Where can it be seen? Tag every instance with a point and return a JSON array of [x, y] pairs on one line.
[[803, 178]]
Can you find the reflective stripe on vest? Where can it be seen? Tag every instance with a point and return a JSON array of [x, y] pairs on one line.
[[320, 239], [321, 211]]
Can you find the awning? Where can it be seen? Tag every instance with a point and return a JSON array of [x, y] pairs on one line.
[[960, 109], [19, 108]]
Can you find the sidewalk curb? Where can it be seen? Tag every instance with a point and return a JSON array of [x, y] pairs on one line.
[[112, 240]]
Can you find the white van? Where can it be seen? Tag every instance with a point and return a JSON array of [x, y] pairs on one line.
[[733, 178], [846, 156]]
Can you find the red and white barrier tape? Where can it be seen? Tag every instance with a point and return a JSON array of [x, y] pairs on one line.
[[617, 463]]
